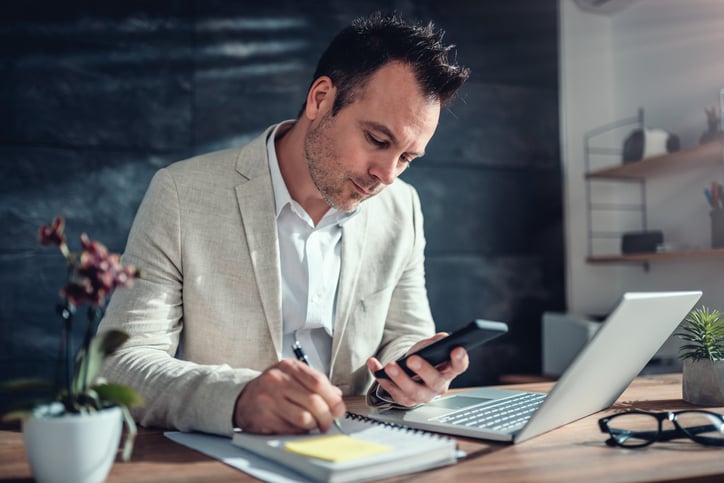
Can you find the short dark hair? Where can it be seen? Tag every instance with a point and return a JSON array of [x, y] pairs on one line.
[[371, 42]]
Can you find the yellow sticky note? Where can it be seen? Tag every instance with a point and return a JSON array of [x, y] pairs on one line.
[[335, 447]]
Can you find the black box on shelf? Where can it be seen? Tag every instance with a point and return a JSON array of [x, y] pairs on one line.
[[641, 242]]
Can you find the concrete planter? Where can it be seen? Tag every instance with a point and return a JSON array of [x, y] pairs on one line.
[[703, 382]]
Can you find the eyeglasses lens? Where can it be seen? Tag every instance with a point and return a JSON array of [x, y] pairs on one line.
[[701, 426], [634, 429]]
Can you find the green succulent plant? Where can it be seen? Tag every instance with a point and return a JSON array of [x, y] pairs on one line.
[[703, 331]]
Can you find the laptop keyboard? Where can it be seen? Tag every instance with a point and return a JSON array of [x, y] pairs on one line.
[[499, 415]]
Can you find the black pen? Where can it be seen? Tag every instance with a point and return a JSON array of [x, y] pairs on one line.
[[302, 356]]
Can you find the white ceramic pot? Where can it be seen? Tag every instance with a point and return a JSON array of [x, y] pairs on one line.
[[703, 382], [77, 448]]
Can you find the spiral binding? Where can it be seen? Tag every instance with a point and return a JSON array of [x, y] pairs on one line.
[[367, 420]]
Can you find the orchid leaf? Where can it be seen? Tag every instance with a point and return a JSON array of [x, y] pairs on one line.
[[109, 341], [17, 415], [26, 385], [19, 396], [118, 394], [131, 433], [89, 364], [90, 399]]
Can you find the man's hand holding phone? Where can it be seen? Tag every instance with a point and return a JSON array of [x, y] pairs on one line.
[[433, 363]]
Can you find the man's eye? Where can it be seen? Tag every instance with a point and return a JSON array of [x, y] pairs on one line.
[[405, 159], [376, 141]]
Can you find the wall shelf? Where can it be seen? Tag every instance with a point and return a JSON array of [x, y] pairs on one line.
[[702, 155], [705, 155], [646, 258]]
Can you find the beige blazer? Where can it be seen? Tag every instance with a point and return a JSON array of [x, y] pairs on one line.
[[205, 318]]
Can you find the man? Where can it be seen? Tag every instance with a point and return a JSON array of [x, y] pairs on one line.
[[303, 235]]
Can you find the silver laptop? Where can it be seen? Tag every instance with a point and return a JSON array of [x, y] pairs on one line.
[[626, 341]]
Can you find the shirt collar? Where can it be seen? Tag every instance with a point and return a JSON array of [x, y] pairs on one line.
[[282, 197]]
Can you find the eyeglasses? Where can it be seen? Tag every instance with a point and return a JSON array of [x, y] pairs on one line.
[[635, 429]]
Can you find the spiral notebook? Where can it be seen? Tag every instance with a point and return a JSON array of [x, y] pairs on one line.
[[370, 450]]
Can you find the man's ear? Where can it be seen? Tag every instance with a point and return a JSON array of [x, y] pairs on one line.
[[320, 97]]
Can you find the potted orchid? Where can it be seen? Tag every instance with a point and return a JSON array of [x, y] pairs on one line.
[[703, 356], [72, 425]]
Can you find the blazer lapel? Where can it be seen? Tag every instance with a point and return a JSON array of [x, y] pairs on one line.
[[256, 203], [354, 237]]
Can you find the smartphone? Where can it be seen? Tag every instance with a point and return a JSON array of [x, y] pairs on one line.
[[472, 335]]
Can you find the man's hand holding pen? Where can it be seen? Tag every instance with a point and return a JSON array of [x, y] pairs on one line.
[[291, 397], [288, 398]]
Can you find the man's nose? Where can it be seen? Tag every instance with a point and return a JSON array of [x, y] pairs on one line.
[[385, 170]]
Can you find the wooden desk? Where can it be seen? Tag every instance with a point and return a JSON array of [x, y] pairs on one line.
[[575, 452]]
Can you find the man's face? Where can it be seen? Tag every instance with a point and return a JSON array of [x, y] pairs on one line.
[[354, 155]]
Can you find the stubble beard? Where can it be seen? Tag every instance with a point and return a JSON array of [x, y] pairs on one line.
[[321, 157]]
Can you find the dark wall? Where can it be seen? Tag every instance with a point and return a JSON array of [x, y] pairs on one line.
[[96, 96]]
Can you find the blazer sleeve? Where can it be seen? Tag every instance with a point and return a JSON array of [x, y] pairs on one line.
[[177, 393]]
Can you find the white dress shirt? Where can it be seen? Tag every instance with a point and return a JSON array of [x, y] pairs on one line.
[[310, 259]]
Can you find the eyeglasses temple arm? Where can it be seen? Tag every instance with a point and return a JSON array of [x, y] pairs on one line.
[[669, 434]]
